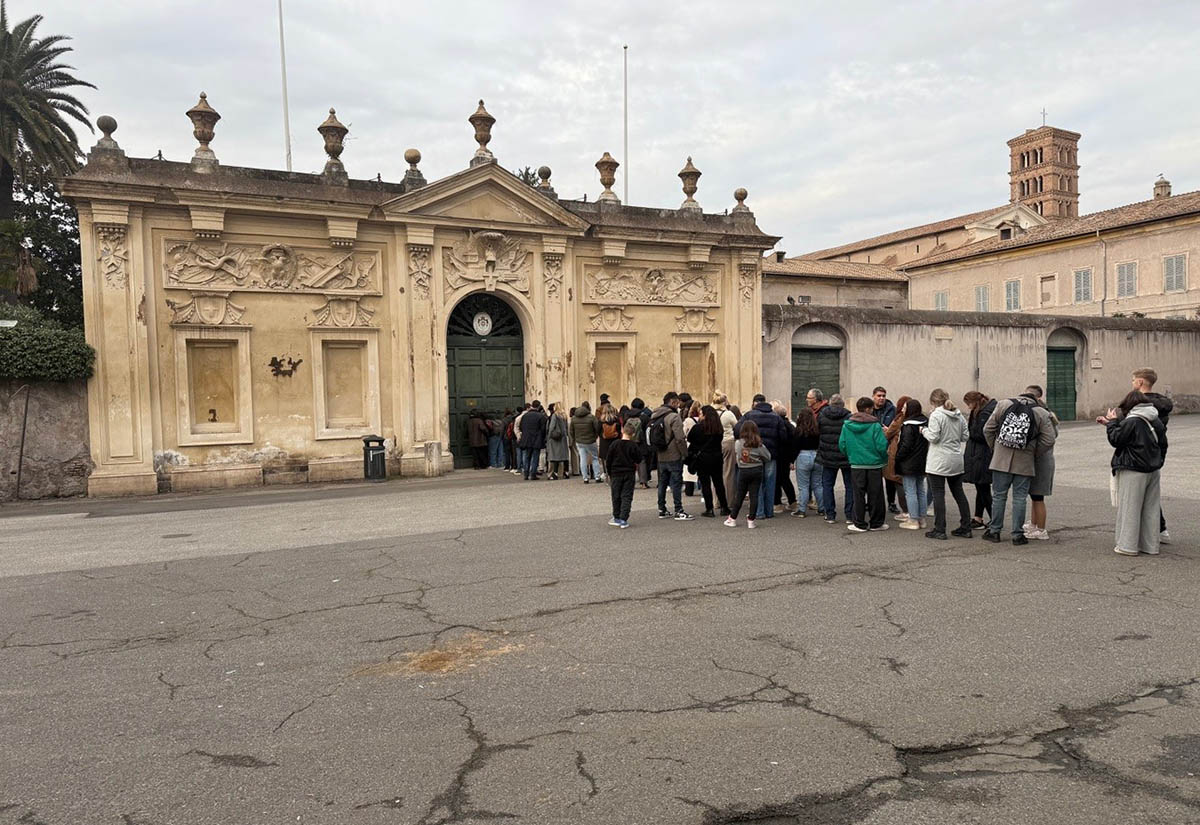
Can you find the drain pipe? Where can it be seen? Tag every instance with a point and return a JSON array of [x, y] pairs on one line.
[[1103, 271], [21, 450]]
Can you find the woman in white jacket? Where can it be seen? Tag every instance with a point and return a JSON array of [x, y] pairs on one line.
[[947, 436]]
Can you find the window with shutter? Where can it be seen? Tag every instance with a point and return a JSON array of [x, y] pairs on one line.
[[1127, 279], [982, 299], [1012, 296], [1175, 273], [1083, 286], [941, 301]]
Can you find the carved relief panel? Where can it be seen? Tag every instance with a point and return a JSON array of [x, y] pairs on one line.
[[206, 309], [113, 254], [270, 268], [651, 286], [489, 258]]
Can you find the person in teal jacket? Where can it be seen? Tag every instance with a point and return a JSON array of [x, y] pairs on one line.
[[865, 445]]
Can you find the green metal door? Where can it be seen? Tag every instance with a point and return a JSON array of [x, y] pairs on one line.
[[1060, 382], [820, 368], [484, 371]]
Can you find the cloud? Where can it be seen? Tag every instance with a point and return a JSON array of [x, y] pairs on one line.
[[843, 120]]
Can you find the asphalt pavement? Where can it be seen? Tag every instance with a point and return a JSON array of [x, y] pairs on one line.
[[480, 648]]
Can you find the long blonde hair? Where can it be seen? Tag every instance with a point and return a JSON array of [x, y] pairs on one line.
[[941, 398]]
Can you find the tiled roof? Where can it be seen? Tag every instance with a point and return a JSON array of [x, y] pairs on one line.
[[1152, 210], [904, 234], [831, 269]]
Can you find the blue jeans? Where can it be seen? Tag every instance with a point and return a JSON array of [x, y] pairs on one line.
[[531, 462], [670, 474], [495, 451], [1001, 482], [829, 503], [766, 493], [589, 454], [916, 493], [808, 479]]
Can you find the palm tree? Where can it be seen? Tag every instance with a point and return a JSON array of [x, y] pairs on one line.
[[34, 105]]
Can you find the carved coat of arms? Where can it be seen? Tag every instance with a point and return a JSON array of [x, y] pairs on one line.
[[489, 258]]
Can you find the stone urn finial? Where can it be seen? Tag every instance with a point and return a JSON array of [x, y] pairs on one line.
[[543, 185], [335, 135], [608, 176], [689, 174], [204, 120], [740, 196], [483, 123], [107, 125]]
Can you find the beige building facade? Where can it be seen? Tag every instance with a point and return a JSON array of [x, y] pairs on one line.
[[252, 326]]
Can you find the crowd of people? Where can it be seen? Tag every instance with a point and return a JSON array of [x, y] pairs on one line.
[[893, 458]]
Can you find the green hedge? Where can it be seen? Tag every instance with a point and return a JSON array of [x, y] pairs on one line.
[[39, 349]]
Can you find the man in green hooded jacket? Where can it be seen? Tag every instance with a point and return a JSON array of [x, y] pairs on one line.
[[865, 445]]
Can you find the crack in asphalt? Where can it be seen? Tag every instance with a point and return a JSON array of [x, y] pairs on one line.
[[933, 769], [581, 769]]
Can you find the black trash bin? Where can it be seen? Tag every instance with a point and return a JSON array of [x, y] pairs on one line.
[[374, 458]]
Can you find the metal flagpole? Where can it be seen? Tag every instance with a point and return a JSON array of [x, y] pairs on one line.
[[287, 129], [625, 151]]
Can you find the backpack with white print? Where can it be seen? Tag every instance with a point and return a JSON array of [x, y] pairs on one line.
[[1019, 427]]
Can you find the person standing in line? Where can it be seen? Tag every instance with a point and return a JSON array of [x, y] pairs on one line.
[[808, 472], [979, 455], [944, 464], [787, 460], [640, 416], [585, 430], [816, 401], [704, 454], [621, 465], [477, 437], [832, 460], [689, 422], [865, 446], [665, 437], [508, 443], [1043, 479], [885, 411], [520, 468], [1139, 441], [752, 455], [912, 451], [1143, 381], [728, 457], [1017, 431], [773, 432], [892, 433], [533, 439], [558, 453], [610, 431]]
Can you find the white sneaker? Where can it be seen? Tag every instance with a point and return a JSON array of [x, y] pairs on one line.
[[854, 528], [883, 526], [1164, 537], [1125, 552], [1039, 534], [750, 523], [911, 524], [729, 522], [901, 517], [1028, 528]]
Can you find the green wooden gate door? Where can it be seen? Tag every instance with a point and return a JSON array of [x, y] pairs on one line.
[[485, 365], [820, 368], [1060, 382]]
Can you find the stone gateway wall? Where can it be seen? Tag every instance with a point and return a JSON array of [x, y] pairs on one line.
[[912, 352], [57, 457]]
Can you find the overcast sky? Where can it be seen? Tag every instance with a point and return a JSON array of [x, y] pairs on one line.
[[843, 120]]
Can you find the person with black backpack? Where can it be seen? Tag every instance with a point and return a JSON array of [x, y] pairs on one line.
[[665, 436], [639, 415], [1017, 431]]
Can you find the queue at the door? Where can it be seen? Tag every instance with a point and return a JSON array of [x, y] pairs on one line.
[[893, 459]]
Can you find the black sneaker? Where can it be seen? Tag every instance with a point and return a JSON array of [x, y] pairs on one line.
[[709, 514], [682, 516], [936, 534], [892, 508], [1019, 540], [831, 521], [962, 532], [663, 514], [988, 535]]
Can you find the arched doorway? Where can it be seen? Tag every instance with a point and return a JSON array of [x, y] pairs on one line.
[[816, 361], [1065, 349], [485, 365]]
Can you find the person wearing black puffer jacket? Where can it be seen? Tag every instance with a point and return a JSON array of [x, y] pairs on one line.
[[832, 460], [911, 454], [1139, 440], [775, 434], [1143, 381]]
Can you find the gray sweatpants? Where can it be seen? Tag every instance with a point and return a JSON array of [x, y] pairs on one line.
[[1137, 511]]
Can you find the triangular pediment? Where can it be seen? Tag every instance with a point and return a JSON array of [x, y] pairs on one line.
[[486, 194]]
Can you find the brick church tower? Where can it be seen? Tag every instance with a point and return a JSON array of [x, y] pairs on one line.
[[1044, 171]]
